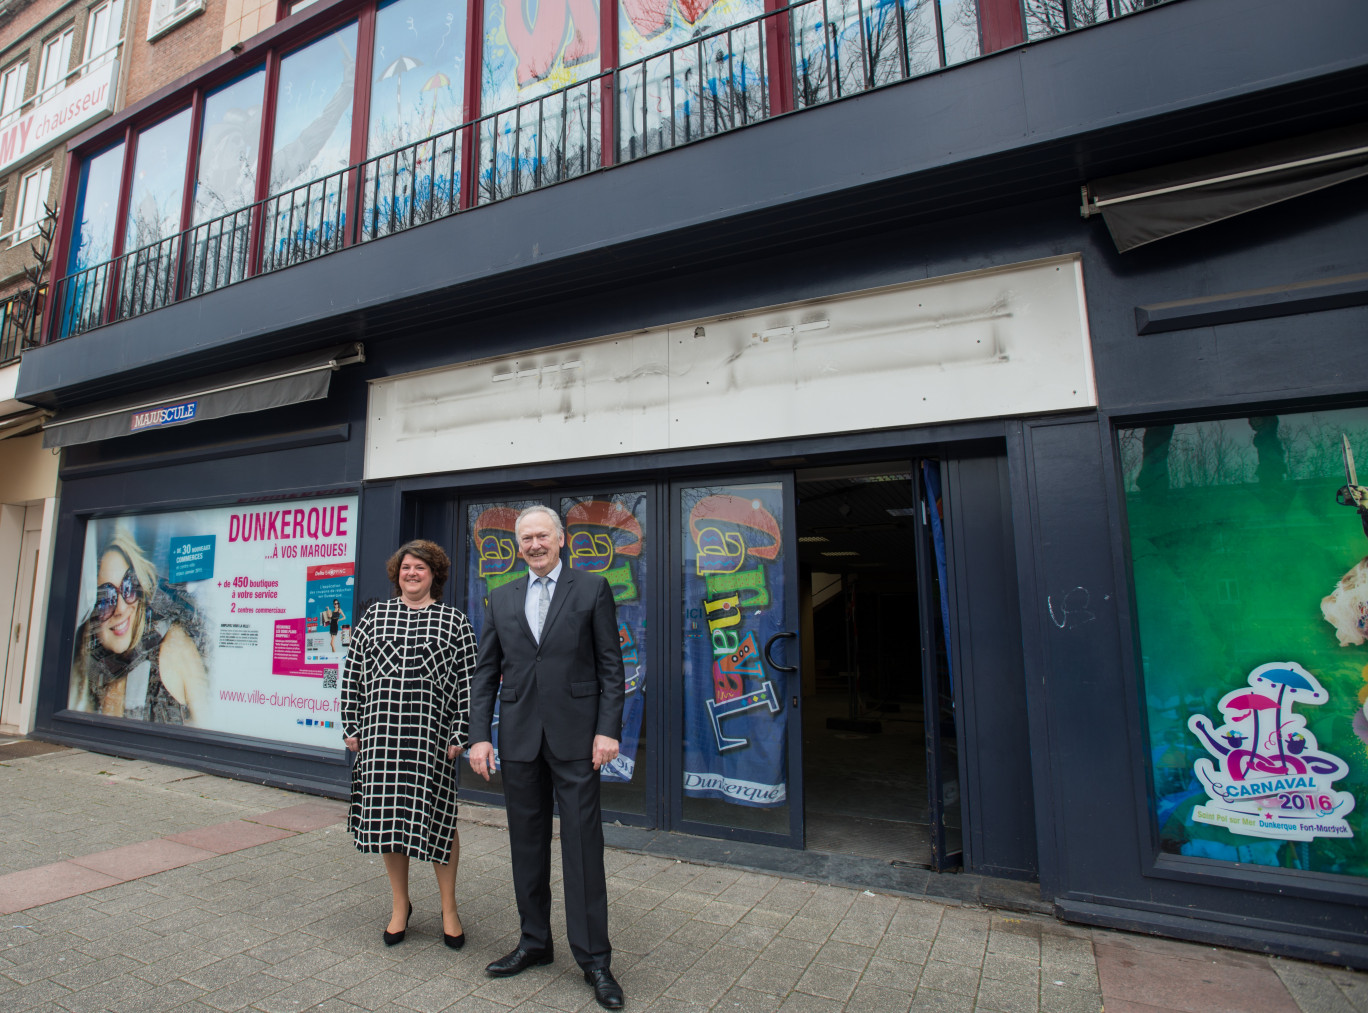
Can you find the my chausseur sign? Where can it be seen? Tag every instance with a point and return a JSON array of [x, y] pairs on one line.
[[79, 103]]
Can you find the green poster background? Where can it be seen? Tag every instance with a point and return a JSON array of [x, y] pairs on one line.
[[1236, 536]]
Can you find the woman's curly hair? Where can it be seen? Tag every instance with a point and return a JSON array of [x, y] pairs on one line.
[[430, 553]]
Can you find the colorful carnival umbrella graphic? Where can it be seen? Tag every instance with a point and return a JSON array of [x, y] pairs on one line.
[[1251, 704], [1282, 677], [437, 80]]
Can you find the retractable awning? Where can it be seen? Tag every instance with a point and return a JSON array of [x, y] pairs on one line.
[[252, 389], [1140, 207], [23, 423]]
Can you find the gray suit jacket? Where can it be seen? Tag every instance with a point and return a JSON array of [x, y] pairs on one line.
[[569, 687]]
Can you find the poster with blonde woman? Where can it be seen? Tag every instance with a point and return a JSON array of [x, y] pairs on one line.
[[140, 650], [232, 618]]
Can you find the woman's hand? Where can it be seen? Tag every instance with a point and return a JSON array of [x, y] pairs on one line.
[[352, 742], [454, 751]]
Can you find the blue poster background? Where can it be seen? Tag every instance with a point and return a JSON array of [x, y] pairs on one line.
[[735, 722]]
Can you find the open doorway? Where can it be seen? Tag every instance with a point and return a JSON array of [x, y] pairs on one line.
[[880, 780]]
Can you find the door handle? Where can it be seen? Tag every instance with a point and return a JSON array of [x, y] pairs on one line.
[[769, 644]]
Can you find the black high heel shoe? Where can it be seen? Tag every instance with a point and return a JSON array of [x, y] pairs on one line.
[[453, 942], [394, 938]]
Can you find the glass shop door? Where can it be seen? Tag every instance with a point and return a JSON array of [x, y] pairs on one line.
[[735, 750]]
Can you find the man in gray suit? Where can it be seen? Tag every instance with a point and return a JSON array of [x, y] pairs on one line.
[[553, 637]]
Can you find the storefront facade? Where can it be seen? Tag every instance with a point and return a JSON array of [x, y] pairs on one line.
[[891, 462]]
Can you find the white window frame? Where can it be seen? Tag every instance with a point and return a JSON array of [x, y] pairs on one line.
[[101, 41], [55, 64], [168, 14], [12, 84], [33, 195]]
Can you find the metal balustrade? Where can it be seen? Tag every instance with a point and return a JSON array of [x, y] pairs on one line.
[[718, 82]]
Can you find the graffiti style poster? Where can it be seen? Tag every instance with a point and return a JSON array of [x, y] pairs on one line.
[[1249, 541], [530, 52], [606, 535], [735, 722], [491, 563], [219, 618], [533, 50]]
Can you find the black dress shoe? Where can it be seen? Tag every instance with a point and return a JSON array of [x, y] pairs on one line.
[[518, 961], [394, 938], [454, 942], [606, 989]]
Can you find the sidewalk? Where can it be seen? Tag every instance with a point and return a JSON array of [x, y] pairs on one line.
[[131, 886]]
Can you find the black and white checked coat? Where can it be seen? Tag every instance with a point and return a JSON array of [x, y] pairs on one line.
[[406, 696]]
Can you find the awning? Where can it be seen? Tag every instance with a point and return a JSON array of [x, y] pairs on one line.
[[23, 423], [1141, 207], [252, 389]]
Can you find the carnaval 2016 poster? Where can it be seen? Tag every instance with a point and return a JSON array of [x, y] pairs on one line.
[[235, 619], [1249, 547]]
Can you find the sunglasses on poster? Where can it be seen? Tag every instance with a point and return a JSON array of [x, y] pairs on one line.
[[107, 595]]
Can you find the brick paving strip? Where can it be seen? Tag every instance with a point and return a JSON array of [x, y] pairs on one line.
[[20, 891]]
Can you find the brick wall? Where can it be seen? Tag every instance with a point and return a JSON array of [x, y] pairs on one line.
[[173, 55]]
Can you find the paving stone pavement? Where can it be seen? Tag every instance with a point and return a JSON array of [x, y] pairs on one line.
[[293, 925]]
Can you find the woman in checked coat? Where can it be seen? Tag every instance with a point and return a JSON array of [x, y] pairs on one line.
[[405, 703]]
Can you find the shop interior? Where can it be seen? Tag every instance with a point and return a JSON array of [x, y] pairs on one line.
[[865, 736]]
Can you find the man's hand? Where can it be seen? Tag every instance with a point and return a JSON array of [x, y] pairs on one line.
[[482, 759], [605, 750]]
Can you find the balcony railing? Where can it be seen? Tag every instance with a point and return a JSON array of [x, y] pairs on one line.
[[19, 329], [707, 86]]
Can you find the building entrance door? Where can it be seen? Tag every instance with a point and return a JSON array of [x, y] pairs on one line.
[[736, 721], [23, 575], [879, 728]]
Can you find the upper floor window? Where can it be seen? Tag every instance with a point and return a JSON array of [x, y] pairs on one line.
[[102, 33], [33, 193], [52, 71], [12, 83], [167, 14]]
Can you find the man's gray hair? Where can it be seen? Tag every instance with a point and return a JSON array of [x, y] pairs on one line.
[[540, 508]]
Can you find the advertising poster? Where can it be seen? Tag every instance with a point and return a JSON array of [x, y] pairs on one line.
[[735, 722], [491, 563], [1249, 542], [234, 618], [606, 535]]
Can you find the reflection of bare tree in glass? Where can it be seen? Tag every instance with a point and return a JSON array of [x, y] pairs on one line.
[[714, 83], [147, 273], [303, 220], [1314, 447], [1206, 454], [217, 248], [1051, 17], [842, 47], [542, 141], [418, 183]]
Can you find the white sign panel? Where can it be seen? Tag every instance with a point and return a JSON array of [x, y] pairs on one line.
[[74, 107], [1012, 341]]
